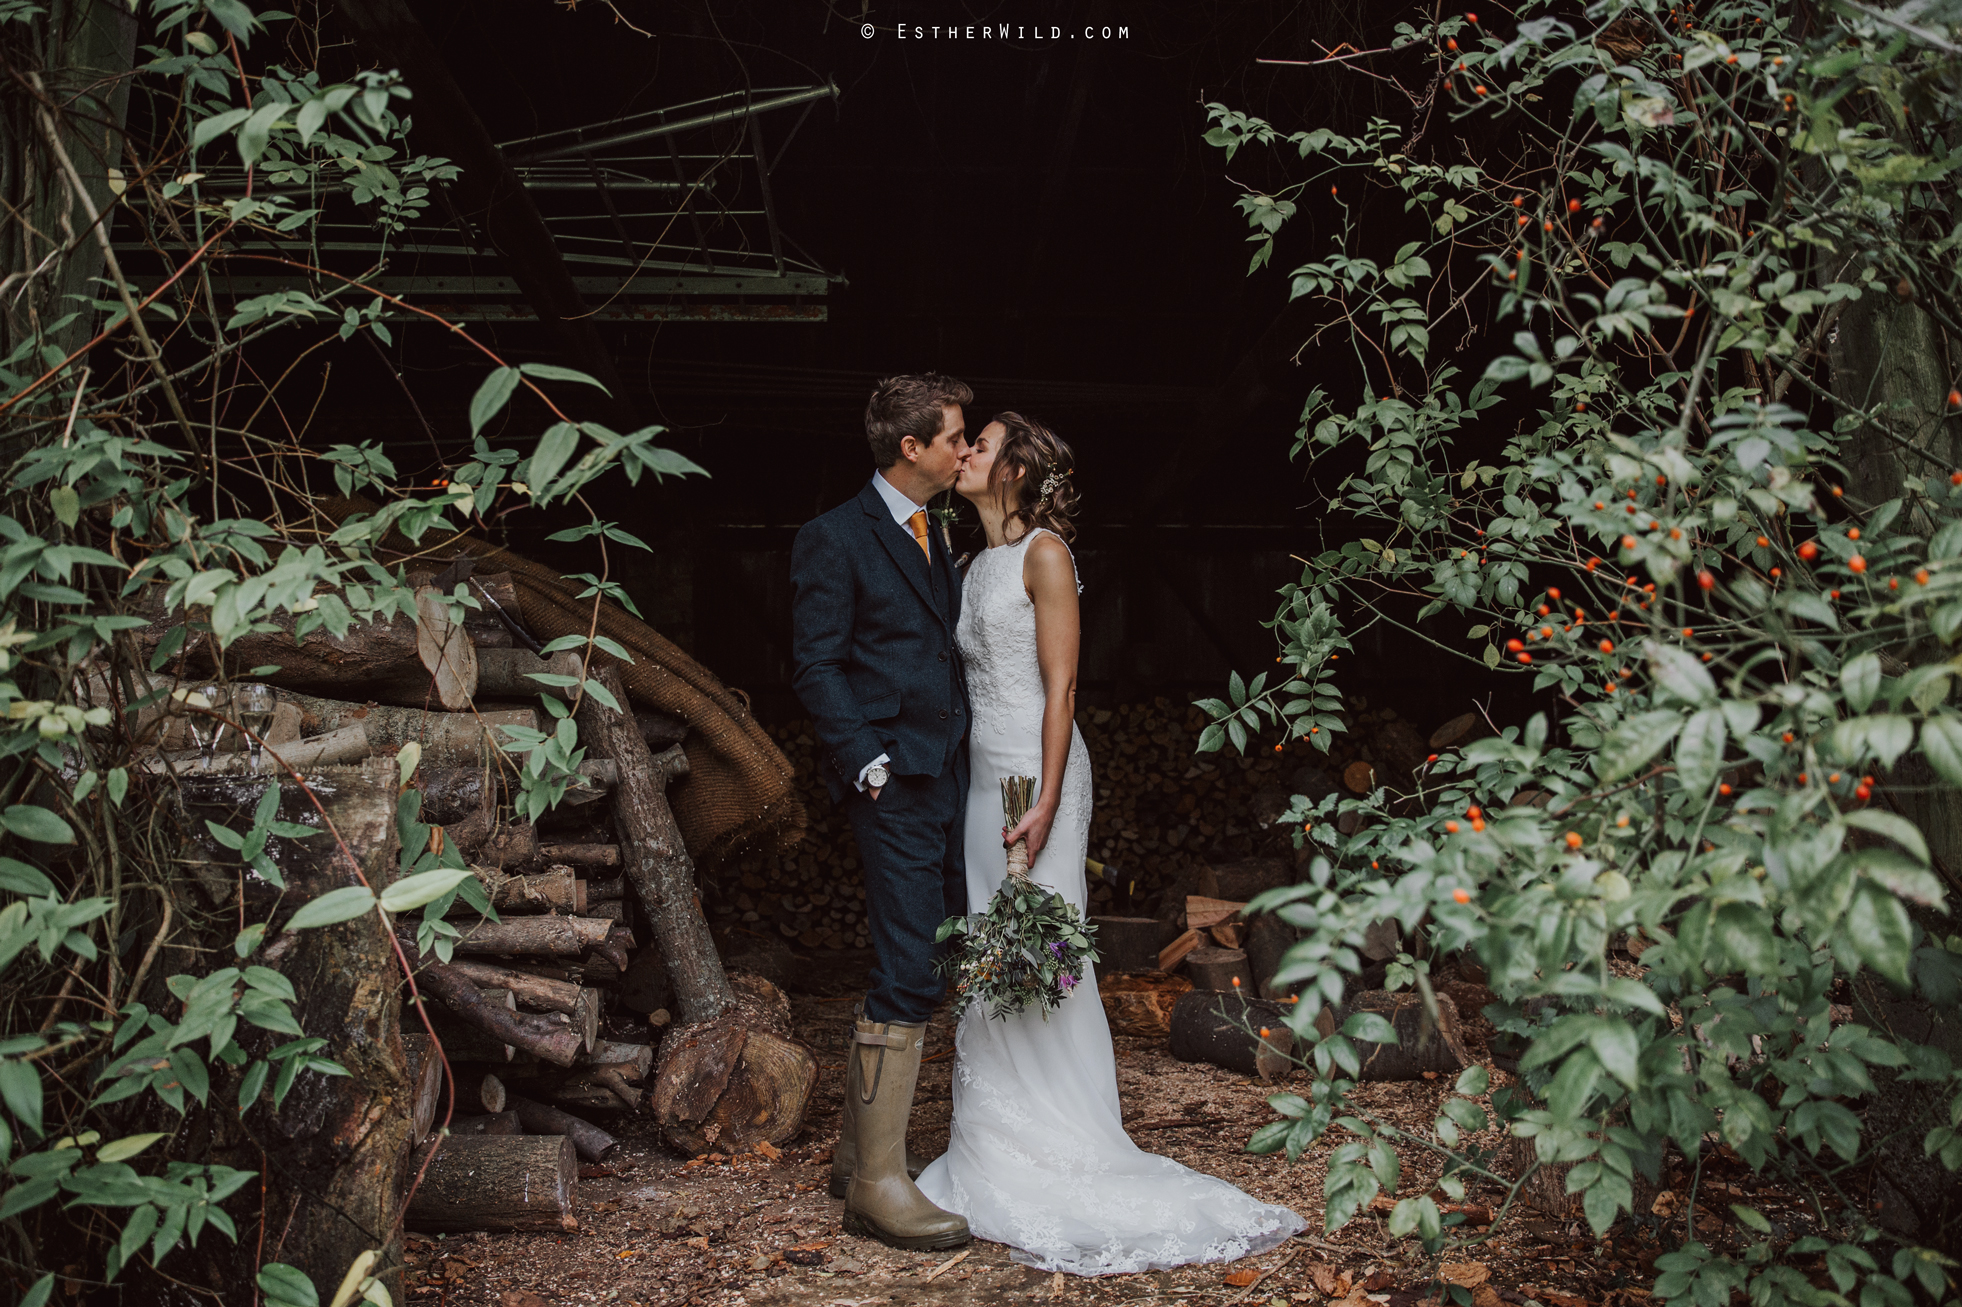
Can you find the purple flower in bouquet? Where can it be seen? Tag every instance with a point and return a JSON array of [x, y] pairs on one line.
[[1067, 981], [1056, 947]]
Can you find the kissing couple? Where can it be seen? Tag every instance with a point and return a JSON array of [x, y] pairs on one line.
[[926, 687]]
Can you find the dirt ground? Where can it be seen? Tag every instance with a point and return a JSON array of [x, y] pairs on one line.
[[659, 1228]]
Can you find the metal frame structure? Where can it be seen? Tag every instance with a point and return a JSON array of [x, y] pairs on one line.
[[653, 221]]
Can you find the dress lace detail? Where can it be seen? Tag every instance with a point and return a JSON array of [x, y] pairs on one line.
[[1038, 1158]]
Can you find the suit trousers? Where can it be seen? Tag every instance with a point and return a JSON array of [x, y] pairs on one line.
[[911, 840]]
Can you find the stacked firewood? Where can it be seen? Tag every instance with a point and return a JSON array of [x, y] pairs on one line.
[[1162, 812], [547, 1024]]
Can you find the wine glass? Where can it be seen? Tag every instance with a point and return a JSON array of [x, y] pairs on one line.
[[251, 710], [205, 729]]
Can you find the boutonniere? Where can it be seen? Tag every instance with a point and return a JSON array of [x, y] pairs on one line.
[[946, 514]]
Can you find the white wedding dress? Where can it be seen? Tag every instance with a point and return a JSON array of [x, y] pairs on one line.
[[1038, 1158]]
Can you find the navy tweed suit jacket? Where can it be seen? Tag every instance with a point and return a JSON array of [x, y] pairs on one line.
[[872, 639]]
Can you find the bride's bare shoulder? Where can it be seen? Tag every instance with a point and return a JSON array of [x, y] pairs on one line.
[[1048, 564]]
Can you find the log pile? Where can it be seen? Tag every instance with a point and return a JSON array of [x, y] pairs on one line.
[[1162, 813], [540, 1030]]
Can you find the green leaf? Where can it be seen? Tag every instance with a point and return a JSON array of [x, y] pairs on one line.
[[1877, 926], [1941, 745], [554, 448], [552, 372], [1700, 751], [1897, 828], [1859, 680], [67, 505], [1744, 932], [491, 397], [38, 1295], [217, 125], [36, 823], [414, 891], [1473, 1081], [336, 905], [1630, 746], [19, 878], [121, 1150], [1679, 673], [286, 1286], [20, 1090]]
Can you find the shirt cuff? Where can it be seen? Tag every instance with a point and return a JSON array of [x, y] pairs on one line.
[[876, 762]]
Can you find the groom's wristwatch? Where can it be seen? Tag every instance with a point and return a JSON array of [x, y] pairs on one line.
[[876, 776]]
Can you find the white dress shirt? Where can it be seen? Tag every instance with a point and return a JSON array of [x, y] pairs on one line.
[[902, 507]]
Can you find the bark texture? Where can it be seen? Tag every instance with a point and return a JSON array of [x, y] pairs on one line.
[[497, 1183]]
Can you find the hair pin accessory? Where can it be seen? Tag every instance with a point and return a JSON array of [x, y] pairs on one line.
[[1053, 482]]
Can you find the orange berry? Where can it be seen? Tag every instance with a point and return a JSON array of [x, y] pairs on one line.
[[1764, 542], [1573, 839], [1264, 1032], [1607, 646], [1852, 533], [1788, 737], [1730, 59], [1611, 687], [1893, 583], [1593, 563], [1838, 491], [1599, 505], [1546, 633], [1628, 542], [1833, 779], [1954, 478], [1431, 758], [1706, 581], [1573, 206], [1515, 645], [1478, 825], [1525, 657], [1675, 533], [1451, 43], [1808, 551], [1857, 564], [1474, 811], [1708, 657], [1802, 778], [1862, 793], [1723, 789], [1777, 572], [1460, 896], [1921, 577], [1688, 634], [1518, 201], [1236, 982], [1622, 821], [1277, 748], [1546, 226], [1553, 592], [1450, 828], [1478, 90], [1955, 399]]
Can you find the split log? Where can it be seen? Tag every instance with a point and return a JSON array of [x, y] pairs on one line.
[[636, 1059], [349, 744], [1202, 913], [1175, 952], [496, 1183], [1268, 941], [1422, 1044], [1127, 944], [1220, 969], [592, 1143], [1225, 1030], [494, 1123], [1141, 1004], [545, 1035], [448, 739], [445, 651], [552, 936], [425, 1075], [538, 994]]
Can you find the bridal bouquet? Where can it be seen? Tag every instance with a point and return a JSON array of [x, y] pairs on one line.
[[1030, 946]]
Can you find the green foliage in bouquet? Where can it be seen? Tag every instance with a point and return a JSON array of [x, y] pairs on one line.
[[1030, 946]]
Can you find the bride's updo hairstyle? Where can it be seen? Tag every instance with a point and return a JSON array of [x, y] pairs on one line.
[[1045, 461]]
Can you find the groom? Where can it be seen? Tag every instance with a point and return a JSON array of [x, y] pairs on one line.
[[874, 602]]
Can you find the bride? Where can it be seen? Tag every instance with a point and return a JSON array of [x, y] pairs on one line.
[[1038, 1158]]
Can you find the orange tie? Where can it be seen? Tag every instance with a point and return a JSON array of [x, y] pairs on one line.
[[919, 524]]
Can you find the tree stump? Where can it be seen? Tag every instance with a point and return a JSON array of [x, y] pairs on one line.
[[1225, 1031], [497, 1183], [737, 1081], [1422, 1044], [1218, 968], [1127, 944]]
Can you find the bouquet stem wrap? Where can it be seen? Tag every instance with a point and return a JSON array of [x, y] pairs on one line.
[[1017, 797]]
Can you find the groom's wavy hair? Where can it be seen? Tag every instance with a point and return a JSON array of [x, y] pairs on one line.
[[1043, 456], [909, 406]]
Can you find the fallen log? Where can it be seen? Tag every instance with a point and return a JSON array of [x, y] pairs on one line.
[[1422, 1044], [494, 1123], [556, 890], [540, 995], [1141, 1003], [1246, 1035], [592, 1143], [551, 936], [448, 739], [587, 855], [496, 1183], [349, 744], [425, 1076], [548, 1036], [463, 1040], [478, 1088], [604, 891], [508, 673]]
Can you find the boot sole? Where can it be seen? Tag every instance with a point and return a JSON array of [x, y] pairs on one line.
[[864, 1229]]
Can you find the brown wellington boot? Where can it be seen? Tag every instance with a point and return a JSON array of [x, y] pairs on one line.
[[882, 1202], [844, 1157]]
